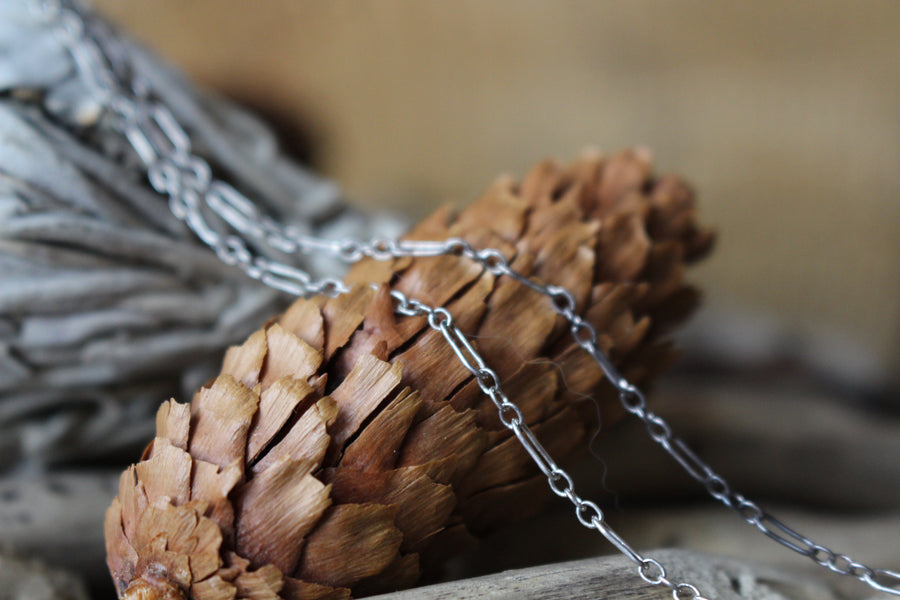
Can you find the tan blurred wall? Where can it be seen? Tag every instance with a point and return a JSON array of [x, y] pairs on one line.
[[783, 114]]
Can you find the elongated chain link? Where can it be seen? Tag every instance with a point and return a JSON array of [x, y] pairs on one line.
[[174, 170]]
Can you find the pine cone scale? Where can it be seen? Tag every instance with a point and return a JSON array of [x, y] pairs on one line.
[[278, 507]]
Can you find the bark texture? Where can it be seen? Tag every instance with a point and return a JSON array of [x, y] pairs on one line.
[[107, 302]]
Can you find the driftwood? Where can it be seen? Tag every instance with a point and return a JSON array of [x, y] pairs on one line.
[[31, 580], [58, 518], [615, 577], [869, 538], [108, 304], [703, 528]]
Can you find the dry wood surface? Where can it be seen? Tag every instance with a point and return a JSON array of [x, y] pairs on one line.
[[614, 577]]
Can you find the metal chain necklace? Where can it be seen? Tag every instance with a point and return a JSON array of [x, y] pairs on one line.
[[175, 171]]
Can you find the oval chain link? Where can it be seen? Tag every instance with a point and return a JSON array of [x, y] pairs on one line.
[[185, 178]]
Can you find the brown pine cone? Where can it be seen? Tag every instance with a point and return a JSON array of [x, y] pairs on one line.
[[343, 445]]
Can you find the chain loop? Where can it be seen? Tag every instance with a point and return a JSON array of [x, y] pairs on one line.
[[440, 319], [747, 509], [492, 260], [588, 514], [562, 300], [457, 247], [651, 571], [718, 488], [633, 400], [510, 415], [583, 333], [556, 476], [658, 429], [487, 380], [685, 591]]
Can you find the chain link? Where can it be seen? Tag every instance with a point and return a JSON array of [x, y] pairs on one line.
[[174, 171]]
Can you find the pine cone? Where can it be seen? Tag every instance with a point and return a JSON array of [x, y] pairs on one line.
[[342, 446]]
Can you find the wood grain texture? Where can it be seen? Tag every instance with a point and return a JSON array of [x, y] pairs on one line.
[[615, 577]]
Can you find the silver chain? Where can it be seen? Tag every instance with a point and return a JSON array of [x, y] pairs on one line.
[[174, 170]]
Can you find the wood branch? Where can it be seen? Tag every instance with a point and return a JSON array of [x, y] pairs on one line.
[[615, 577], [871, 539]]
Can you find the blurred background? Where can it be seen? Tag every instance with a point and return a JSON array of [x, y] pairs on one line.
[[782, 115]]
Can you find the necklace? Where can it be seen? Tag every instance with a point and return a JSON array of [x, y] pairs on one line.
[[176, 172]]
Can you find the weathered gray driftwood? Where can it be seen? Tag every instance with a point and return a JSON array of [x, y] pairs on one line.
[[58, 517], [614, 577], [108, 304], [868, 538], [704, 528], [31, 580]]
